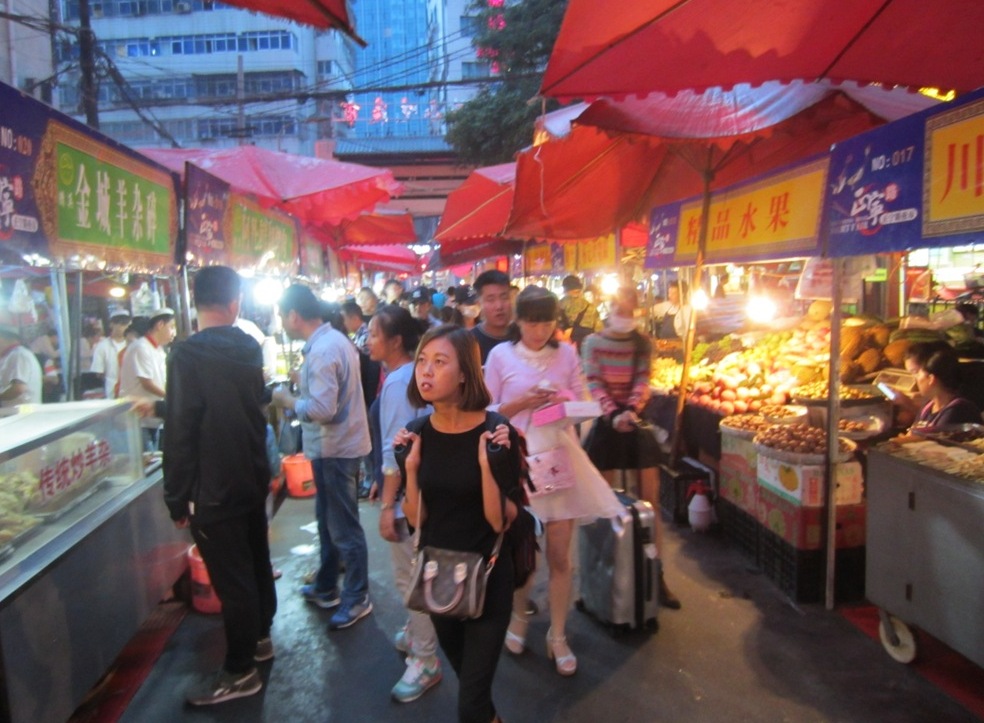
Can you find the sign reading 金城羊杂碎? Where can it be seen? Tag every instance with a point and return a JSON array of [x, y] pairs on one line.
[[773, 217], [95, 200]]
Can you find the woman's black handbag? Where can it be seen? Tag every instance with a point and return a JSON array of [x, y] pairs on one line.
[[448, 582]]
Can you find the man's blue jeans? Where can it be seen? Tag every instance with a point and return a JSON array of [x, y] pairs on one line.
[[339, 529]]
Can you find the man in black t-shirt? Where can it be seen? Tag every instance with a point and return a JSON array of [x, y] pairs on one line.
[[495, 298]]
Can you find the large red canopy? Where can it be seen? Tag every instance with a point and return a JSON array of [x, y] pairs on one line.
[[323, 14], [641, 46], [315, 190], [623, 157]]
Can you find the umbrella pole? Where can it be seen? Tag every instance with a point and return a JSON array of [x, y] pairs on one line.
[[688, 345]]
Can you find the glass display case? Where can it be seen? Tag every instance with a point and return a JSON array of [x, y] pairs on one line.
[[54, 457], [87, 550]]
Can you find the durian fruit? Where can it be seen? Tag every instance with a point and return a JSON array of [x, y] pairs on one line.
[[819, 310], [879, 335], [850, 371], [869, 360], [851, 342], [895, 352]]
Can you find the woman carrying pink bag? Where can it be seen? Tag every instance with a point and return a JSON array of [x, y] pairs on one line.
[[528, 372]]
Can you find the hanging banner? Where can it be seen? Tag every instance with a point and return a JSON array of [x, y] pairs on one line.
[[915, 183], [226, 227], [206, 200], [67, 191], [598, 253], [773, 217]]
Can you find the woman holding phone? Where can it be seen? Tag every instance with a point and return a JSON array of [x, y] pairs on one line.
[[529, 371]]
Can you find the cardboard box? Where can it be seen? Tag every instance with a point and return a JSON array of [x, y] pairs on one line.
[[803, 484], [566, 413], [801, 526], [738, 470]]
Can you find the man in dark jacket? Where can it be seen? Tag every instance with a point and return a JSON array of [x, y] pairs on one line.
[[216, 476]]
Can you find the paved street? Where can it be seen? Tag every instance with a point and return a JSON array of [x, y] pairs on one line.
[[738, 651]]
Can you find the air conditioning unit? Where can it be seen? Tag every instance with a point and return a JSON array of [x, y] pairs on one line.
[[182, 7]]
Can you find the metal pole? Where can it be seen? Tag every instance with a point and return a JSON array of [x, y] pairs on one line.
[[833, 415], [688, 345], [59, 293]]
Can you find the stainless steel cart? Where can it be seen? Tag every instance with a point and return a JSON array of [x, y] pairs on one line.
[[925, 556]]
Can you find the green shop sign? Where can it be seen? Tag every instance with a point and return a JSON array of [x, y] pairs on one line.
[[261, 237], [104, 205]]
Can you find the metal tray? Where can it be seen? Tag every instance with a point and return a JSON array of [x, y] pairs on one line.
[[70, 503], [943, 434], [7, 549]]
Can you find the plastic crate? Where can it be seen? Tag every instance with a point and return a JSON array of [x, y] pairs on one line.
[[800, 573], [741, 528]]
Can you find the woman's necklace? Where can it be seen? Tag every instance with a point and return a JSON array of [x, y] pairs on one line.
[[538, 359]]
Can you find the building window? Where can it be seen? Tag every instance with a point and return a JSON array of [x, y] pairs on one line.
[[473, 70], [326, 68], [469, 26]]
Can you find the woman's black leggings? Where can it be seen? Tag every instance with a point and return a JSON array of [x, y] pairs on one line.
[[473, 646]]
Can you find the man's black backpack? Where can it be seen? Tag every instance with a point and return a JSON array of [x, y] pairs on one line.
[[577, 333]]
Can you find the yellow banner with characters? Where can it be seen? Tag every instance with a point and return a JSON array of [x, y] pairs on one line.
[[779, 215], [953, 188], [538, 259], [598, 253]]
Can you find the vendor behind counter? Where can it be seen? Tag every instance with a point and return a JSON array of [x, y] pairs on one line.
[[947, 385]]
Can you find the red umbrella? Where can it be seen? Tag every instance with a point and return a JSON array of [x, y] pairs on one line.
[[369, 229], [479, 208], [323, 14], [386, 258], [674, 45], [315, 190]]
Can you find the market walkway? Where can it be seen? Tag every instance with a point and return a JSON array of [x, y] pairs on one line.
[[738, 651]]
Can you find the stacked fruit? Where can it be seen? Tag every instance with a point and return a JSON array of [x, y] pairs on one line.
[[797, 438]]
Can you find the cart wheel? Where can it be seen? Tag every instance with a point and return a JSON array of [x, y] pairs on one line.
[[905, 651]]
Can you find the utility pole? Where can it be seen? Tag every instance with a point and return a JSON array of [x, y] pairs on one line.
[[240, 96], [87, 63]]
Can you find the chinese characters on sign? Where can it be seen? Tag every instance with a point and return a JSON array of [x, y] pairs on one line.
[[260, 237], [778, 215], [953, 197], [68, 471], [104, 205]]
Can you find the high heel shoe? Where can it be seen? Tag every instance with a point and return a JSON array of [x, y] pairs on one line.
[[566, 664], [516, 643]]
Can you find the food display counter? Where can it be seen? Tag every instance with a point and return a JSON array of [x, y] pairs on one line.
[[925, 550], [87, 550]]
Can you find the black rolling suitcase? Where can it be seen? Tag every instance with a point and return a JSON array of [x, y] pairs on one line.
[[619, 567]]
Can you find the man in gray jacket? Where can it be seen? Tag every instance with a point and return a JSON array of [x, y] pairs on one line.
[[335, 434]]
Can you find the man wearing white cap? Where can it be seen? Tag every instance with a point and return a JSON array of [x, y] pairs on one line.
[[144, 371], [20, 371], [106, 354]]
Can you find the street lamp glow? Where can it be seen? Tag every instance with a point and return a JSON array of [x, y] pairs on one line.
[[700, 300], [761, 309], [609, 284], [267, 292]]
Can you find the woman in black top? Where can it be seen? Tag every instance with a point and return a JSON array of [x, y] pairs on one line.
[[937, 370], [462, 502]]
